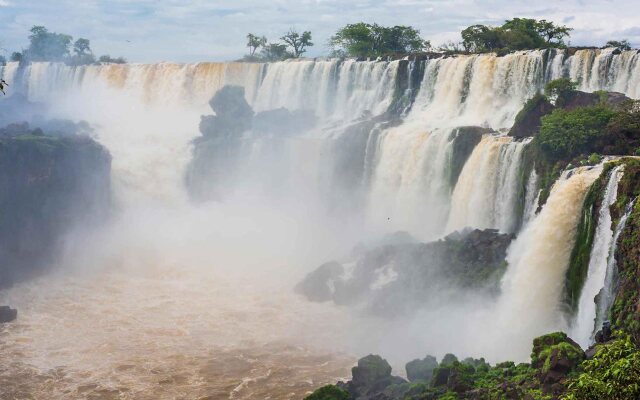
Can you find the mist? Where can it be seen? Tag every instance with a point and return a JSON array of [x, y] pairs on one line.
[[196, 293]]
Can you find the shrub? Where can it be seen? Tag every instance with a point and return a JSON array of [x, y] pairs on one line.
[[613, 373], [565, 134], [329, 392]]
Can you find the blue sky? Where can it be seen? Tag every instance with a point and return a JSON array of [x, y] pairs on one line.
[[208, 30]]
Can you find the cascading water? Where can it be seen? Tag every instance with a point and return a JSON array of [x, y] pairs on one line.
[[606, 69], [583, 325], [606, 295], [485, 195], [188, 300], [539, 257]]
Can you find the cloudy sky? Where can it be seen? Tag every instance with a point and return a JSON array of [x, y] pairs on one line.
[[199, 30]]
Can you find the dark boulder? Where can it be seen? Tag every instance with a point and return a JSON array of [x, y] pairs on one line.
[[320, 284], [555, 356], [370, 378], [421, 370], [391, 279], [233, 114], [230, 102], [8, 314], [528, 120]]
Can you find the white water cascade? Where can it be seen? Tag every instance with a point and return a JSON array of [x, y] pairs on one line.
[[606, 294], [486, 193], [583, 326], [538, 259]]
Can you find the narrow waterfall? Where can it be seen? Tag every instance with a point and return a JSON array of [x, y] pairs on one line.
[[538, 259], [583, 326], [605, 297], [532, 197], [485, 195]]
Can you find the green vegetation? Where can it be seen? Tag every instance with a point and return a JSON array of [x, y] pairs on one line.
[[566, 134], [58, 47], [514, 34], [292, 45], [559, 90], [612, 374], [329, 392], [621, 44], [579, 262], [373, 40], [297, 42]]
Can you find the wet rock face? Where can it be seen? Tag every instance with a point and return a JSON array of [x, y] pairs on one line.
[[393, 278], [218, 153], [465, 140], [49, 184], [528, 120]]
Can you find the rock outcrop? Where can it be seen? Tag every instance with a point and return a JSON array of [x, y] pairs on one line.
[[7, 314], [49, 184], [528, 120], [371, 377], [217, 153], [389, 279]]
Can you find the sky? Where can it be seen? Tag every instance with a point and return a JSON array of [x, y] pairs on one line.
[[215, 30]]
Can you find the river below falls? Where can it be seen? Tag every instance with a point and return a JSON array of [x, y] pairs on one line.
[[165, 332]]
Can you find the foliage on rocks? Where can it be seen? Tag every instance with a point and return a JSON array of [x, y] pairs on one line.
[[612, 374]]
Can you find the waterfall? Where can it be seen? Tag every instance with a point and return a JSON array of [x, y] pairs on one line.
[[485, 195], [583, 326], [532, 197], [606, 69], [410, 189], [538, 259], [404, 179], [605, 297]]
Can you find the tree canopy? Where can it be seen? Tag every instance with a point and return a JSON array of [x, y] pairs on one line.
[[47, 46], [57, 47], [373, 40], [298, 42], [621, 44], [514, 34]]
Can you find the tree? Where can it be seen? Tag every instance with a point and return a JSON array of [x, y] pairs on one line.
[[82, 47], [16, 56], [275, 52], [373, 40], [622, 44], [47, 46], [558, 90], [107, 59], [480, 38], [552, 33], [297, 42], [254, 42], [514, 34]]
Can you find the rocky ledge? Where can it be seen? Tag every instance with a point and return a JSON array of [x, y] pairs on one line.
[[400, 274]]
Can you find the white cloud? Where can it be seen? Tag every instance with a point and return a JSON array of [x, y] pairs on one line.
[[194, 30]]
